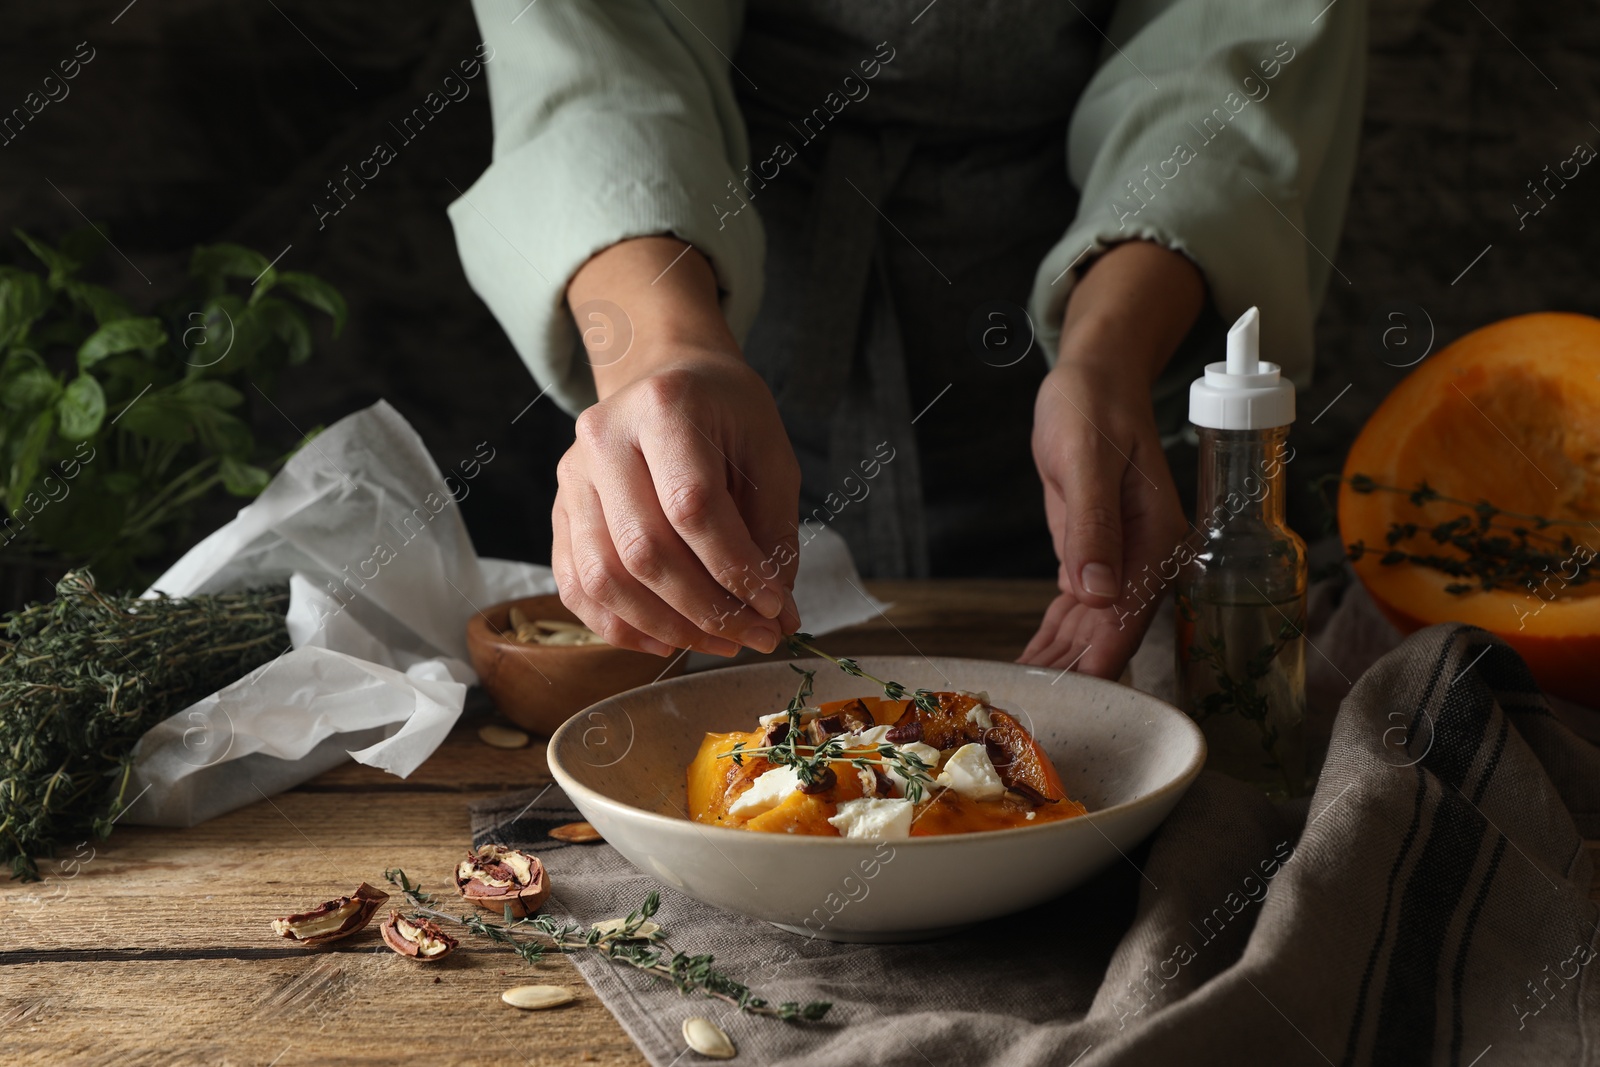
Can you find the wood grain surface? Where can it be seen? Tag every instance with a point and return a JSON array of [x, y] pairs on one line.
[[155, 947]]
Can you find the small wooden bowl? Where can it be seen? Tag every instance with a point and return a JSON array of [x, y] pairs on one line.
[[539, 687]]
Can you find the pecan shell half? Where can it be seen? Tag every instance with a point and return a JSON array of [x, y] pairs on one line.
[[494, 876], [332, 919], [418, 939]]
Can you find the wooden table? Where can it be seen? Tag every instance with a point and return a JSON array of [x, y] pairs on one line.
[[158, 949]]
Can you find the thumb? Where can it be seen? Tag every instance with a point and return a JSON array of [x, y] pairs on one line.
[[1091, 488]]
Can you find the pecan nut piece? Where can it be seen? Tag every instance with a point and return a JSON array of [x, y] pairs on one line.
[[825, 780], [332, 919], [495, 877], [821, 728], [419, 939]]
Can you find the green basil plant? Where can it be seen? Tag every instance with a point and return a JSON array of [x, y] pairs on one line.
[[115, 423]]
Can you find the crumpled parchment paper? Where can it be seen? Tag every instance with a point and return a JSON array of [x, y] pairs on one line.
[[383, 578]]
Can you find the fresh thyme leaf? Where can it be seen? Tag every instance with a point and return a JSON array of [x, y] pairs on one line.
[[629, 945], [83, 676]]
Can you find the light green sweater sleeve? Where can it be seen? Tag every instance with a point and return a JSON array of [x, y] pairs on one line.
[[1225, 130], [611, 120]]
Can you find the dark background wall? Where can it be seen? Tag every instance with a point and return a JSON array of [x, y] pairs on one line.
[[202, 121]]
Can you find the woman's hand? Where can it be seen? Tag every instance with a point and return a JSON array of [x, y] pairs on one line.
[[1109, 497], [676, 515]]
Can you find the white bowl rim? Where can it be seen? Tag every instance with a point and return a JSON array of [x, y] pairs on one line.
[[1178, 784]]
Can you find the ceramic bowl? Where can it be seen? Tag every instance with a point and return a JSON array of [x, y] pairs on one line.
[[539, 687], [1126, 755]]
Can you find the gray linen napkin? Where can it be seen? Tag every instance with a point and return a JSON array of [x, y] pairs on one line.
[[1429, 905]]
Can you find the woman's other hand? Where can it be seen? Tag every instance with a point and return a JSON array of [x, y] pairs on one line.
[[1109, 497]]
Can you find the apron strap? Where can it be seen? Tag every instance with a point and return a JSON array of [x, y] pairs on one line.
[[851, 377]]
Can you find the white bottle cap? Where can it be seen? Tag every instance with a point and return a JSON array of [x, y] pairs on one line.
[[1244, 393]]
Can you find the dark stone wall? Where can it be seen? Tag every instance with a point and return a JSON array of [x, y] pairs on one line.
[[204, 121], [1466, 104]]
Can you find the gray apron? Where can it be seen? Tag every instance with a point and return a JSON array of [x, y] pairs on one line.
[[905, 215]]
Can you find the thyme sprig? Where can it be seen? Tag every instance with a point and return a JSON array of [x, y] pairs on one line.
[[634, 942], [1494, 548], [810, 762], [923, 698], [911, 768], [787, 752], [1245, 695]]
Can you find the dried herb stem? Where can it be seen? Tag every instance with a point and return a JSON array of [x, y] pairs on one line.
[[911, 768], [923, 698], [633, 943], [82, 678], [1490, 552]]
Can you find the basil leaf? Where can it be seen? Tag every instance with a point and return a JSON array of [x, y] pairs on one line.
[[61, 266], [82, 408], [125, 377], [122, 482], [30, 451], [31, 390], [19, 360], [288, 325], [123, 335], [222, 432], [159, 417], [23, 298], [216, 263], [216, 394], [318, 293], [99, 301], [241, 479], [209, 337], [223, 338]]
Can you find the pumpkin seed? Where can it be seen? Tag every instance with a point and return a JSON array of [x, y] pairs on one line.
[[554, 625], [536, 997], [502, 736], [576, 833], [707, 1038], [611, 928]]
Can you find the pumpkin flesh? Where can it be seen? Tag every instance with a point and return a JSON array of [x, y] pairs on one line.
[[1509, 414]]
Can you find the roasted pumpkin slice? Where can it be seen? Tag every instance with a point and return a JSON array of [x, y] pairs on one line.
[[956, 721]]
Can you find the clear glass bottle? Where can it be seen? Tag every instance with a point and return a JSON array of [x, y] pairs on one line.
[[1241, 593]]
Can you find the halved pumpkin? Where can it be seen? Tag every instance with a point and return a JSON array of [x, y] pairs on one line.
[[1510, 414]]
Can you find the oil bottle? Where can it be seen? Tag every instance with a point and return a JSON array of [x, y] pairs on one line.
[[1241, 594]]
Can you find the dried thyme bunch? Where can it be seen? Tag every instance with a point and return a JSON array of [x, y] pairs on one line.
[[633, 942], [82, 677], [1493, 548]]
